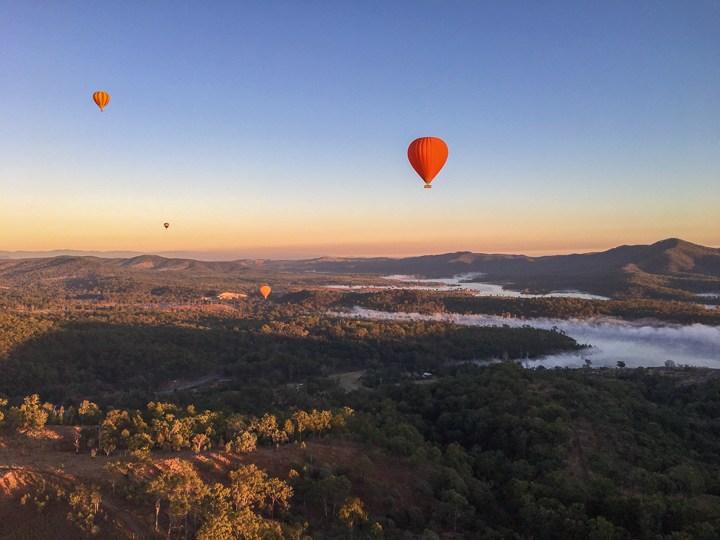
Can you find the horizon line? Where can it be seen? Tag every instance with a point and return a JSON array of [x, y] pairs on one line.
[[223, 256]]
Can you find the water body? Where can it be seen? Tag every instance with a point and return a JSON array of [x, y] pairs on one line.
[[647, 343], [456, 283], [491, 289], [482, 289]]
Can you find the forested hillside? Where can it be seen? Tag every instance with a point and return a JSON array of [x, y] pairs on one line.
[[493, 452], [151, 406]]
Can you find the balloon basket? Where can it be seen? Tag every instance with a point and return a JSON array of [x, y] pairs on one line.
[[427, 187]]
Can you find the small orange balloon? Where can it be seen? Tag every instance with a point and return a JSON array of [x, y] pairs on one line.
[[265, 290], [167, 225], [427, 156], [102, 99]]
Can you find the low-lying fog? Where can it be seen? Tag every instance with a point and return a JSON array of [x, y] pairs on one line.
[[456, 283], [493, 289], [645, 343]]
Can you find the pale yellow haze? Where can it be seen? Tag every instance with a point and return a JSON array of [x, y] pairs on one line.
[[363, 229]]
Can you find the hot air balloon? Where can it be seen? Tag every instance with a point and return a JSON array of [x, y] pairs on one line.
[[427, 155], [265, 290], [167, 225], [102, 99]]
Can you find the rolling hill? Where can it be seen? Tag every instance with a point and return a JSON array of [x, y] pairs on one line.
[[670, 269]]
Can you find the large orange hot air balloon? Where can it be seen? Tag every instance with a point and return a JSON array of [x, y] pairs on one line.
[[167, 225], [265, 290], [427, 155], [102, 99]]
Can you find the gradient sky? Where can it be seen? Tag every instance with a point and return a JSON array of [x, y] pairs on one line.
[[280, 128]]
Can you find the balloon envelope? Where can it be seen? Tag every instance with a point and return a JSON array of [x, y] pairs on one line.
[[102, 99], [167, 225], [427, 156], [265, 290]]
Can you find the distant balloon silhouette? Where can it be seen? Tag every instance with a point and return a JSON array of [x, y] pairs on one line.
[[265, 290], [427, 156], [102, 99], [167, 225]]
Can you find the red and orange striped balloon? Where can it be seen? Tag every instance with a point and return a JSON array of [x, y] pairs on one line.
[[102, 99], [428, 155]]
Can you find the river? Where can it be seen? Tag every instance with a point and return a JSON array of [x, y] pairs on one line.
[[458, 283], [646, 343], [491, 289]]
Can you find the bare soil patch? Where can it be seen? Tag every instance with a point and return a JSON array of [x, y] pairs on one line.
[[51, 449], [350, 381]]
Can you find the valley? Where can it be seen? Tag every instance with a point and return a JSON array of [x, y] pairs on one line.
[[145, 398]]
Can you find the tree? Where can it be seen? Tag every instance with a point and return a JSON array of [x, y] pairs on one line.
[[87, 410], [296, 531], [140, 446], [235, 425], [364, 466], [266, 427], [333, 490], [319, 420], [110, 430], [214, 505], [198, 442], [621, 364], [303, 422], [252, 527], [249, 485], [243, 444], [601, 529], [352, 513], [32, 414], [289, 428], [454, 509], [181, 487], [278, 492], [217, 527], [108, 445], [85, 503]]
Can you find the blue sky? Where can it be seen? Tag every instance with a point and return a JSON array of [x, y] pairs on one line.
[[266, 128]]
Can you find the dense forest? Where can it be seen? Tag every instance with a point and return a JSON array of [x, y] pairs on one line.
[[499, 452], [157, 408], [130, 354], [555, 454]]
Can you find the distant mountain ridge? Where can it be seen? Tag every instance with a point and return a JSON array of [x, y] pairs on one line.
[[667, 257], [195, 255], [664, 268]]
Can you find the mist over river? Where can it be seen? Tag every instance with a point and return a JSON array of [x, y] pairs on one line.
[[460, 281], [646, 343]]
